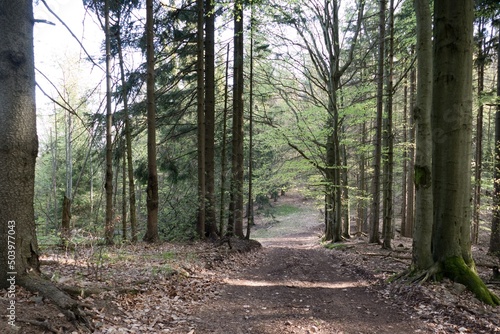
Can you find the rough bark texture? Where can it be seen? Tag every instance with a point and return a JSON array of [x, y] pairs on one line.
[[422, 233], [452, 136], [152, 189], [18, 141]]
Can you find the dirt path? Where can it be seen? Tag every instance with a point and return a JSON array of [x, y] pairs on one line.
[[295, 286]]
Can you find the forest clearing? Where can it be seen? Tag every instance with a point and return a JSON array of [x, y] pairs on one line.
[[290, 285]]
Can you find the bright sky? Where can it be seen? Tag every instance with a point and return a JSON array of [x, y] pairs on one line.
[[56, 49]]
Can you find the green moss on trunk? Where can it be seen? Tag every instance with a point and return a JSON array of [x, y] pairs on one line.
[[455, 269]]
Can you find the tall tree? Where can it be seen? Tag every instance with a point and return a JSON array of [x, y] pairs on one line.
[[19, 254], [152, 188], [200, 106], [109, 223], [388, 209], [375, 209], [452, 136], [495, 224], [210, 221], [19, 142], [235, 223], [422, 234]]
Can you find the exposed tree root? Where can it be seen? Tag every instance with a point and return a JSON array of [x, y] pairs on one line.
[[72, 309], [457, 270]]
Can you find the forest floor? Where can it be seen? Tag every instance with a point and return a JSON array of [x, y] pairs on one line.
[[291, 284]]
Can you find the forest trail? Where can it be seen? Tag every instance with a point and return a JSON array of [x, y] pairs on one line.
[[297, 286]]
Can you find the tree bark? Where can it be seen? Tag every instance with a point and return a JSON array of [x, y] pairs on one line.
[[18, 144], [236, 206], [152, 188], [388, 217], [375, 211], [210, 220], [200, 106], [422, 233], [452, 137], [495, 224]]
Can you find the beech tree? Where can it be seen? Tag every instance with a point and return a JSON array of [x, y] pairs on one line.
[[451, 122]]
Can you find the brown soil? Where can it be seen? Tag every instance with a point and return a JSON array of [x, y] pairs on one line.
[[291, 285]]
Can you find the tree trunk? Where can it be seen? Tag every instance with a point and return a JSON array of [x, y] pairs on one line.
[[410, 197], [200, 104], [495, 224], [124, 196], [479, 137], [236, 205], [250, 221], [389, 139], [346, 207], [66, 221], [452, 131], [152, 189], [109, 223], [223, 149], [210, 220], [19, 143], [422, 234], [404, 177], [375, 212]]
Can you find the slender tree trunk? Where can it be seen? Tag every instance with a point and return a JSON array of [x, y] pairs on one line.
[[374, 230], [346, 208], [124, 196], [237, 141], [495, 223], [422, 234], [223, 150], [210, 220], [19, 144], [250, 221], [200, 103], [128, 140], [479, 138], [388, 218], [404, 186], [410, 203], [152, 189], [109, 223]]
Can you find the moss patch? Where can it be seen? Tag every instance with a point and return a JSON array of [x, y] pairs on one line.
[[455, 269]]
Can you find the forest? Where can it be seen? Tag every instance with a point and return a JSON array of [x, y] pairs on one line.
[[237, 166]]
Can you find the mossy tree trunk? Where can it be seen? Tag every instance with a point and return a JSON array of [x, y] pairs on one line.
[[452, 136]]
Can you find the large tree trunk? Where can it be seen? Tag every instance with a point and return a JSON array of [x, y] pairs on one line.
[[422, 234], [152, 189], [410, 191], [452, 136], [210, 220], [109, 227], [18, 144], [375, 210], [224, 150], [19, 262]]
